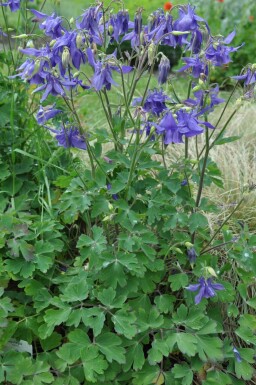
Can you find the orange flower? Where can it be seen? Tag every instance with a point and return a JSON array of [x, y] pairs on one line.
[[167, 6], [251, 18], [220, 1]]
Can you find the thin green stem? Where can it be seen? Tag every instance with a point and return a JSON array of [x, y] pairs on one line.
[[8, 36], [89, 150], [109, 119], [202, 173]]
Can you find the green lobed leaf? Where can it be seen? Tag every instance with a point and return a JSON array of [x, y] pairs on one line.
[[109, 345]]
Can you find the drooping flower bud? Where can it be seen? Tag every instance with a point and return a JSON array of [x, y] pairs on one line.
[[23, 36], [110, 29], [142, 38], [52, 42], [138, 22], [65, 58], [30, 44], [151, 53], [191, 253], [79, 40], [164, 69]]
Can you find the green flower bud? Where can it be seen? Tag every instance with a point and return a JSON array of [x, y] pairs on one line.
[[177, 250], [79, 40], [151, 53], [211, 271], [179, 33], [141, 37], [23, 36], [52, 42], [65, 58], [110, 29], [30, 44]]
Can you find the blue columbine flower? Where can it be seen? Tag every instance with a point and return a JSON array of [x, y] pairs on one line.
[[206, 289], [68, 42], [160, 30], [196, 41], [103, 70], [69, 137], [46, 113], [164, 69], [90, 23], [51, 25], [135, 35], [154, 102], [54, 86], [205, 100], [218, 52], [188, 20], [188, 124], [26, 70], [169, 128], [14, 5], [196, 65], [119, 24], [249, 77]]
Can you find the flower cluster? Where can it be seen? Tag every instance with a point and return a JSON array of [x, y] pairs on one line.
[[59, 67], [14, 5]]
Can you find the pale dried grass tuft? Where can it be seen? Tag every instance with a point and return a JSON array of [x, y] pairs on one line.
[[237, 162]]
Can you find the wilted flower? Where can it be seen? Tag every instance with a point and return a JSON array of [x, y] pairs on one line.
[[206, 289], [164, 69]]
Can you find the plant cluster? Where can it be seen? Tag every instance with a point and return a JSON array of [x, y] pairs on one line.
[[110, 273], [226, 15]]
